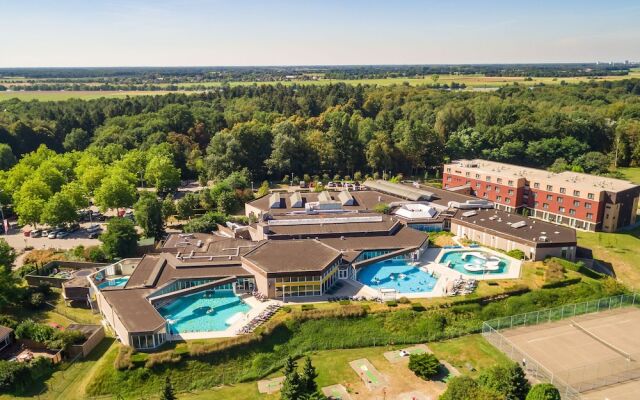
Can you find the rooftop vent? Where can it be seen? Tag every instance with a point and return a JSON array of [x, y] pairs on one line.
[[519, 224], [469, 213]]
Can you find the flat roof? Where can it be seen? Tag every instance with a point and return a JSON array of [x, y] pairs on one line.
[[320, 225], [283, 256], [518, 227], [567, 179], [407, 192], [362, 200]]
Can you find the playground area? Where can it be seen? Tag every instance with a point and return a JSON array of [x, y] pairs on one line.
[[592, 353]]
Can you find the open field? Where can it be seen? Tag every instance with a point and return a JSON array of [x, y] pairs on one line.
[[619, 249], [66, 95], [472, 81]]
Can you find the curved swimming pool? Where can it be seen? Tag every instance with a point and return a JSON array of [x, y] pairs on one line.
[[475, 262], [398, 275]]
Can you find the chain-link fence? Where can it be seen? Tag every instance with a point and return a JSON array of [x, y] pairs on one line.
[[572, 381]]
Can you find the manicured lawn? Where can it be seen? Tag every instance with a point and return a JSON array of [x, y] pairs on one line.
[[620, 249]]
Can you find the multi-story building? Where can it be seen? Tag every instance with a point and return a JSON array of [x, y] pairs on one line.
[[579, 200]]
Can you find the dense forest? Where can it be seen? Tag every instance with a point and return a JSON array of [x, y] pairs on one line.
[[106, 147]]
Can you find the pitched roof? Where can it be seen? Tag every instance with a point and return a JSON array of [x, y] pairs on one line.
[[283, 256]]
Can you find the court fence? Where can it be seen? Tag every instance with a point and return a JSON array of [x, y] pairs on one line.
[[570, 382]]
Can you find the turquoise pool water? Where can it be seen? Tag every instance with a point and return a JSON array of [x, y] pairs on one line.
[[115, 282], [396, 274], [202, 312], [459, 259]]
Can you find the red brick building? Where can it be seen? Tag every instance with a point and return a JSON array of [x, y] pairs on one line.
[[579, 200]]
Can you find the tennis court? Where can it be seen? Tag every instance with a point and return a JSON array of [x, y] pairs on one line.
[[587, 351]]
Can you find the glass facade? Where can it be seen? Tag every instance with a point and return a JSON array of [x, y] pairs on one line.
[[365, 255], [311, 285], [148, 341], [427, 227]]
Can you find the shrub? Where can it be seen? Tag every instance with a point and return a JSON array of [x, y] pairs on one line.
[[206, 223], [13, 374], [425, 365], [95, 254], [418, 307], [344, 302], [562, 283], [382, 208], [508, 380], [392, 303], [286, 309], [123, 359], [307, 307], [466, 388], [543, 391], [36, 300], [164, 357], [8, 321], [516, 253], [404, 300]]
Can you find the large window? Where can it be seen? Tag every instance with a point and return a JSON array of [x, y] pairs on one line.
[[148, 341]]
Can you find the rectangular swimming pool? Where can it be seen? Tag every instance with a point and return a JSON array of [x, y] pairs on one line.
[[398, 275], [114, 282], [205, 311]]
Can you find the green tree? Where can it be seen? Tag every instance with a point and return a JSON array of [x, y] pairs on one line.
[[425, 365], [167, 391], [263, 190], [115, 192], [507, 379], [77, 139], [543, 391], [7, 158], [187, 206], [292, 385], [120, 239], [148, 214], [466, 388], [7, 254], [162, 174], [168, 207], [308, 378], [58, 210]]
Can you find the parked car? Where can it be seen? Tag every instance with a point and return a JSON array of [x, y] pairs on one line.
[[36, 233], [331, 185], [94, 234], [53, 234], [73, 227], [93, 228], [62, 235], [45, 233]]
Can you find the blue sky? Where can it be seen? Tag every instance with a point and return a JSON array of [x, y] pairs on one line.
[[308, 32]]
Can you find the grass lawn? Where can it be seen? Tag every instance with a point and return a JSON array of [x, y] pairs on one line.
[[620, 249], [472, 349], [631, 173], [333, 366]]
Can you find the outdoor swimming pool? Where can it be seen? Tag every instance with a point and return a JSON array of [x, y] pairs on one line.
[[114, 282], [475, 262], [398, 275], [203, 312]]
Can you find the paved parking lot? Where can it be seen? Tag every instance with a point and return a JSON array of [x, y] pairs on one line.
[[18, 241]]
